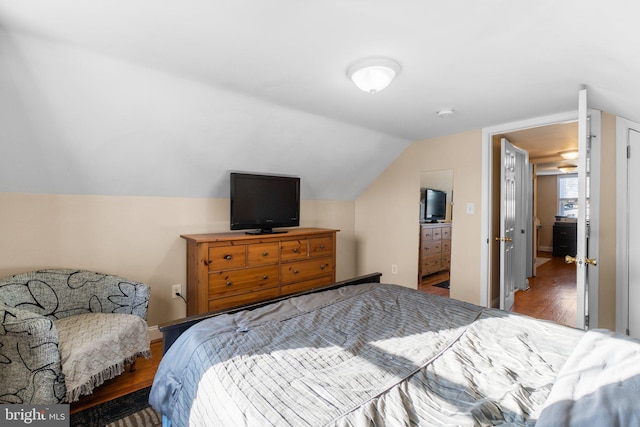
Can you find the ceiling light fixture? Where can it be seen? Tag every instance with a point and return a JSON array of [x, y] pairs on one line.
[[569, 155], [567, 168], [373, 74]]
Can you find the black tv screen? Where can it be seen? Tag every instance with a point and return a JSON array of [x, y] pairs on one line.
[[264, 202], [435, 205]]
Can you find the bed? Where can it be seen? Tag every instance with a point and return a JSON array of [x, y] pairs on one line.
[[361, 353]]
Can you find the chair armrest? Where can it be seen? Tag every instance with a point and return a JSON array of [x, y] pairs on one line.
[[129, 297], [31, 367]]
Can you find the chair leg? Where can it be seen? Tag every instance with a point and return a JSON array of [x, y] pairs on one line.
[[132, 368]]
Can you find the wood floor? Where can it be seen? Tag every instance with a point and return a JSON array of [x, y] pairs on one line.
[[552, 293], [551, 296], [429, 281]]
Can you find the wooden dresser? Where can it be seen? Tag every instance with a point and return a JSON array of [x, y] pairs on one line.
[[565, 238], [435, 248], [227, 270]]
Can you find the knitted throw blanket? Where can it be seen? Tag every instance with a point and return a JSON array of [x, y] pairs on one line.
[[96, 347]]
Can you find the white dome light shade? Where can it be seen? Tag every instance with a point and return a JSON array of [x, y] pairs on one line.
[[374, 74], [568, 168], [569, 155]]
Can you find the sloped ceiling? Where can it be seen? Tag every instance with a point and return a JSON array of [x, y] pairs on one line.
[[147, 97]]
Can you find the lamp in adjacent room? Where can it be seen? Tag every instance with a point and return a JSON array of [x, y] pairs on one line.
[[373, 74], [567, 168], [569, 155]]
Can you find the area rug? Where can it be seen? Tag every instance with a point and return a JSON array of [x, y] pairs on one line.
[[131, 410], [444, 285]]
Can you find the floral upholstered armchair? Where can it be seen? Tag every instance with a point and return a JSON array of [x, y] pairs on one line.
[[64, 332]]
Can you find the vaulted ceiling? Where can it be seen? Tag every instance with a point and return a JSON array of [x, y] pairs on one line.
[[148, 97]]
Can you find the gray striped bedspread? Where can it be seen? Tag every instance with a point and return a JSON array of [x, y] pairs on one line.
[[364, 355]]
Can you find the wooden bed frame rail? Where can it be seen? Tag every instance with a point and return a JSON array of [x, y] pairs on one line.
[[172, 330]]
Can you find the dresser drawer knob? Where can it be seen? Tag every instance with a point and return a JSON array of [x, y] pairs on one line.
[[265, 253], [295, 271], [295, 250], [228, 257], [321, 246], [265, 277], [323, 266], [229, 283]]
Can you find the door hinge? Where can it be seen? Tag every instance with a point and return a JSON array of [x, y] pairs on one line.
[[628, 151], [587, 231], [628, 332], [586, 321]]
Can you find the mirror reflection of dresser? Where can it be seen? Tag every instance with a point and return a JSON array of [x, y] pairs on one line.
[[435, 222], [435, 248]]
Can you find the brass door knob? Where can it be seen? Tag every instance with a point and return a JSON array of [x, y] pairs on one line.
[[571, 259]]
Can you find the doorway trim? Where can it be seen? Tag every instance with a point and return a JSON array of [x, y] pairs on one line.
[[486, 197], [623, 126]]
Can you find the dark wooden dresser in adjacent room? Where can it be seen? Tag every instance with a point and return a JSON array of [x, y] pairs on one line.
[[565, 238]]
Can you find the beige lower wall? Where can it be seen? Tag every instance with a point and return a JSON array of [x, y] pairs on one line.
[[387, 214], [135, 237]]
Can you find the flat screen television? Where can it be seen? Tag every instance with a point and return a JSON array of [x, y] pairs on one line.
[[435, 205], [264, 202]]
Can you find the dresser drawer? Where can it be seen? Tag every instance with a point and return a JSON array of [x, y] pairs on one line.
[[307, 284], [294, 249], [320, 247], [430, 248], [445, 262], [437, 233], [242, 299], [262, 254], [303, 270], [225, 257], [233, 282], [446, 246], [427, 233], [431, 264], [446, 233]]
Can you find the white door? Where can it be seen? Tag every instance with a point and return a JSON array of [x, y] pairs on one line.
[[633, 194], [512, 237], [585, 261]]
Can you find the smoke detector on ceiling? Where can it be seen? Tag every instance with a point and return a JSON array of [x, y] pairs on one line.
[[445, 112]]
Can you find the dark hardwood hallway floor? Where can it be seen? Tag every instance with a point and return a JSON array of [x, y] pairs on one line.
[[551, 294]]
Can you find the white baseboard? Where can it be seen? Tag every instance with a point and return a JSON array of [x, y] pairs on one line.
[[154, 333]]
